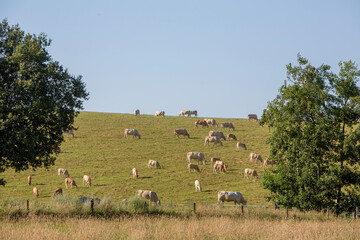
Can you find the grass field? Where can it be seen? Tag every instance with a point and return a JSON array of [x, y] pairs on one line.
[[100, 150]]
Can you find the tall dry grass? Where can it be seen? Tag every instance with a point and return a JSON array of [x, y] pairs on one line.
[[165, 227]]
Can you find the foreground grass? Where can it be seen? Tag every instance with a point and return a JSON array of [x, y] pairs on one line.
[[100, 150], [167, 227]]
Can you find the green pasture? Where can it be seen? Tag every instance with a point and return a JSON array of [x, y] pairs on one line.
[[100, 150]]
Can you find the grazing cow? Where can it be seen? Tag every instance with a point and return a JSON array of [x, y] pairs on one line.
[[154, 163], [184, 112], [215, 140], [62, 172], [220, 165], [88, 199], [269, 162], [196, 155], [211, 122], [198, 186], [58, 191], [256, 157], [239, 144], [29, 180], [227, 196], [160, 113], [178, 132], [71, 181], [250, 172], [87, 180], [217, 134], [252, 116], [132, 132], [193, 166], [135, 173], [150, 195], [136, 112], [227, 125], [231, 136], [213, 160], [202, 123], [36, 192]]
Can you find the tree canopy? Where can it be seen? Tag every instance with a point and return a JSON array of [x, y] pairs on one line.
[[38, 100], [315, 138]]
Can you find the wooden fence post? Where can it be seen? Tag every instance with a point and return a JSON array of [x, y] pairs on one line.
[[194, 207], [92, 205], [287, 212], [27, 205], [242, 209], [356, 212]]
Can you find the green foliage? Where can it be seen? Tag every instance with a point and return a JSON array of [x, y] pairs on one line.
[[38, 100], [315, 138]]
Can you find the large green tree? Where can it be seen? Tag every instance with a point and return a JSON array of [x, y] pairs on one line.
[[38, 100], [315, 138]]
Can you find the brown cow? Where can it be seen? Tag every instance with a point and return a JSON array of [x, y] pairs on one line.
[[202, 123]]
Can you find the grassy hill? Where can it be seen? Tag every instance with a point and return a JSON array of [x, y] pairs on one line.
[[100, 150]]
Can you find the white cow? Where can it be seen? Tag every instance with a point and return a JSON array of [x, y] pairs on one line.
[[132, 132], [198, 186], [196, 155], [62, 172], [154, 163], [160, 113], [184, 112], [217, 134], [252, 116], [211, 121], [227, 196], [256, 157], [213, 160], [135, 173], [150, 195], [250, 172], [227, 125], [219, 165], [239, 144], [215, 140], [137, 112], [87, 180]]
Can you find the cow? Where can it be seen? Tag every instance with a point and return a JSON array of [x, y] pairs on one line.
[[211, 122], [136, 112], [150, 195], [184, 112], [135, 173], [154, 163], [193, 166], [70, 132], [132, 132], [71, 181], [160, 113], [202, 123], [58, 191], [87, 180], [220, 165], [231, 136], [196, 155], [239, 144], [269, 162], [62, 172], [227, 196], [36, 192], [193, 112], [178, 132], [215, 140], [198, 186], [217, 134], [227, 125], [88, 199], [252, 116], [250, 172], [29, 180], [256, 157]]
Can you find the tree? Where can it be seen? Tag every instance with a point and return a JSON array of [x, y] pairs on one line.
[[315, 138], [38, 100]]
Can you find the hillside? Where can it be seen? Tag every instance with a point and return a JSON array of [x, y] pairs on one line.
[[100, 150]]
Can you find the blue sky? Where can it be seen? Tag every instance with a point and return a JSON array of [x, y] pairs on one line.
[[222, 58]]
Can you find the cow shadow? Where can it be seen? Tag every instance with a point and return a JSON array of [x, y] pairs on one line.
[[144, 177]]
